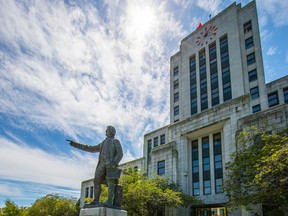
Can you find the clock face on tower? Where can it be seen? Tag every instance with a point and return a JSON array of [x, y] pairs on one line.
[[206, 35]]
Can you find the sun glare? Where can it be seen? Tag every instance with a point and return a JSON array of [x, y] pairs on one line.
[[141, 21]]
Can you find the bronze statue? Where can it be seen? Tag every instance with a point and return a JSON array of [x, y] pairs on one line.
[[107, 168]]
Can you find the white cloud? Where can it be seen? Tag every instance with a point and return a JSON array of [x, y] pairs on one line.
[[20, 162], [271, 51], [67, 68], [8, 190], [276, 10], [183, 3], [194, 23], [75, 69], [211, 6]]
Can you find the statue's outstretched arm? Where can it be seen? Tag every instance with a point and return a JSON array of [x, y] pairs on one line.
[[83, 147]]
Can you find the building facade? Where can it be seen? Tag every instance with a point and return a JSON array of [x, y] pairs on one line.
[[217, 89]]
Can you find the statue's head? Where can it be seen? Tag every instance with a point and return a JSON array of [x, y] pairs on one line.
[[110, 131]]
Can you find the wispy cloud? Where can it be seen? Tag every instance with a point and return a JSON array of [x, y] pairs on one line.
[[72, 69], [271, 51], [276, 10], [75, 68], [20, 162], [211, 6]]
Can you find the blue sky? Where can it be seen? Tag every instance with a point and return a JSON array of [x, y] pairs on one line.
[[70, 68]]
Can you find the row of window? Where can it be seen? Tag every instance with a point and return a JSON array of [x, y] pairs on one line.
[[155, 143], [273, 98], [176, 87], [214, 82], [206, 170], [252, 75]]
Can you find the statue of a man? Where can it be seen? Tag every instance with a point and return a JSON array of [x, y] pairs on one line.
[[107, 168]]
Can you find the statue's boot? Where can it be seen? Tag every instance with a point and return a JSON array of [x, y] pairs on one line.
[[111, 193], [97, 191]]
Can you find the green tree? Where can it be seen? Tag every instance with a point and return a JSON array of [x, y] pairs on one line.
[[54, 205], [10, 209], [143, 196], [258, 171]]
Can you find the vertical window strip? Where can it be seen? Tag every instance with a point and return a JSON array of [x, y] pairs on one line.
[[195, 168], [193, 85], [225, 67], [218, 168], [214, 74], [206, 166], [203, 79]]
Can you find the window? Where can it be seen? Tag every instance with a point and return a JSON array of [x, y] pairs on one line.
[[161, 167], [196, 189], [149, 147], [162, 139], [176, 84], [227, 95], [195, 168], [176, 71], [252, 75], [254, 92], [215, 97], [204, 102], [155, 141], [91, 191], [285, 93], [176, 110], [273, 99], [87, 192], [176, 97], [206, 164], [223, 43], [247, 27], [251, 58], [249, 42], [192, 63], [194, 107], [219, 185], [256, 108], [207, 187]]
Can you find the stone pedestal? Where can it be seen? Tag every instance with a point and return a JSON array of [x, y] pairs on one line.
[[102, 211]]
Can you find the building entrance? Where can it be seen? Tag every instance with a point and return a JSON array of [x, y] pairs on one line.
[[213, 211]]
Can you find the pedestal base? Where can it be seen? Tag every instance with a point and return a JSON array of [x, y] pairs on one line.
[[102, 211]]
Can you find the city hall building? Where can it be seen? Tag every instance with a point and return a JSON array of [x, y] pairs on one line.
[[217, 90]]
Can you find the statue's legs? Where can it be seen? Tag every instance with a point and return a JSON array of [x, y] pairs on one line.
[[98, 179], [111, 191]]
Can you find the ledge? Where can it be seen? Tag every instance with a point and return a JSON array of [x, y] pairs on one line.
[[165, 146]]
